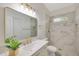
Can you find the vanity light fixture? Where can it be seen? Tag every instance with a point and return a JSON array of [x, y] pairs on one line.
[[26, 5], [28, 8]]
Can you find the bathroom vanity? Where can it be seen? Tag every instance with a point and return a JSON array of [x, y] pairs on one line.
[[36, 48], [22, 26]]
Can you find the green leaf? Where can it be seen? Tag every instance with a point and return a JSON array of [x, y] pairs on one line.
[[12, 43]]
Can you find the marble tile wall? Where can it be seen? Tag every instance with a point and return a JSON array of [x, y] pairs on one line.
[[77, 30], [63, 35]]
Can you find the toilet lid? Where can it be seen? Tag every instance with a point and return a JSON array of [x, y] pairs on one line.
[[51, 48]]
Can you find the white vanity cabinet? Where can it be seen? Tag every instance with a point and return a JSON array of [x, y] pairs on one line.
[[36, 48], [42, 52]]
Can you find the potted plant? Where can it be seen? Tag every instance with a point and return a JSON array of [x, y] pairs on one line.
[[13, 45]]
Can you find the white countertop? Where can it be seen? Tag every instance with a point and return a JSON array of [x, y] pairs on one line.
[[30, 49]]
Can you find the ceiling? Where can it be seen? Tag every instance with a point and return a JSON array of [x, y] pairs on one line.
[[50, 6], [55, 6]]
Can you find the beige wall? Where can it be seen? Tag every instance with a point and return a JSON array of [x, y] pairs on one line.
[[1, 26]]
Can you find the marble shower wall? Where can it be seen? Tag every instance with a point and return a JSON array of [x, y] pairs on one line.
[[77, 30], [63, 35]]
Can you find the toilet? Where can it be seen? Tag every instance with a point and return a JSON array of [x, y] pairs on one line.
[[53, 51]]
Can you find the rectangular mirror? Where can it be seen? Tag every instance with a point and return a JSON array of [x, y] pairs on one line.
[[19, 25]]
